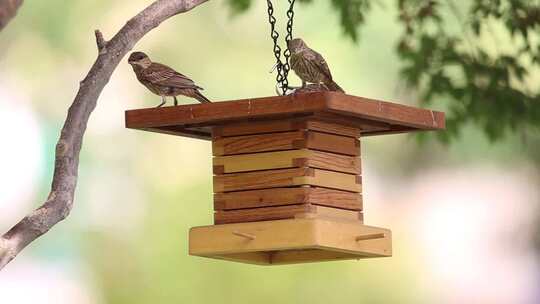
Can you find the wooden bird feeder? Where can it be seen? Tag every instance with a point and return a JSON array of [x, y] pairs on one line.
[[287, 173]]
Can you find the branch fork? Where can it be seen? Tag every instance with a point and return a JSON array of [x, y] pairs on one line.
[[60, 200], [101, 42]]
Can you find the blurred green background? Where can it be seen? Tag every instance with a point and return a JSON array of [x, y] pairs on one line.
[[463, 216]]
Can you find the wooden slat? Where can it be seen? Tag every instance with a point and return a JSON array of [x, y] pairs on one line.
[[333, 143], [257, 257], [286, 178], [332, 128], [366, 126], [216, 113], [302, 256], [286, 159], [283, 212], [388, 112], [284, 125], [261, 198], [334, 198], [259, 179], [257, 143], [332, 161], [257, 127], [288, 196], [259, 214], [332, 213], [286, 141], [332, 180], [258, 161]]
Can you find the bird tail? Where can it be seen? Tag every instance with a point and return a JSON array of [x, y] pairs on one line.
[[200, 97], [333, 86]]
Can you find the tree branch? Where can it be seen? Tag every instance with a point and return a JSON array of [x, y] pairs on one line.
[[60, 200], [8, 10]]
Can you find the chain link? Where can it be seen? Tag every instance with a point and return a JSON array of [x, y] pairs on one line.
[[282, 68]]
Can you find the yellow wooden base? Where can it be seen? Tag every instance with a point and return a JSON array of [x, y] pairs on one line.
[[290, 241]]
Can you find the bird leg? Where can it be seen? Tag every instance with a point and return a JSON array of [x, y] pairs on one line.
[[175, 101], [304, 83], [163, 101]]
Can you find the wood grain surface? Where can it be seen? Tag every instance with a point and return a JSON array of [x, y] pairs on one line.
[[286, 141], [284, 125], [288, 196], [287, 159], [284, 212], [286, 178]]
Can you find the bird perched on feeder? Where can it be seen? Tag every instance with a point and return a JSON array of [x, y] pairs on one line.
[[163, 80], [310, 66]]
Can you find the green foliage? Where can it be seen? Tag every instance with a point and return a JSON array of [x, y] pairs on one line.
[[485, 86], [352, 12], [239, 6], [480, 84]]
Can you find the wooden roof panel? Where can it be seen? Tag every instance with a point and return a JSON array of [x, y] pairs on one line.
[[196, 120]]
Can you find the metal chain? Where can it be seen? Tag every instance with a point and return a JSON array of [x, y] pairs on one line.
[[282, 68], [287, 52]]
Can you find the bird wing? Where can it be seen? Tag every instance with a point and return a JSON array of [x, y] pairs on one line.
[[161, 74], [294, 60], [319, 62]]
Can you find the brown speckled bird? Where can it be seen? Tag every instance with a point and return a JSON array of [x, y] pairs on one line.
[[310, 66], [163, 80]]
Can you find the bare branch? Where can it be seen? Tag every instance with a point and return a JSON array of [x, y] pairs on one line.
[[60, 200], [8, 10]]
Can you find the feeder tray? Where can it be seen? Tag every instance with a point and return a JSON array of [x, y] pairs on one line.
[[287, 173]]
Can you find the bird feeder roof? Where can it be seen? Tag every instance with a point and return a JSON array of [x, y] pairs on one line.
[[372, 117]]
